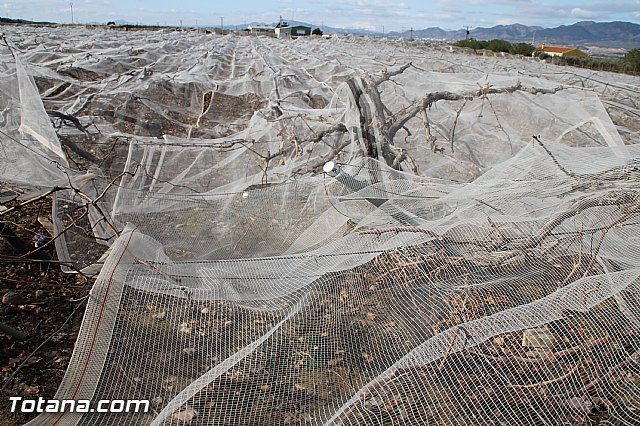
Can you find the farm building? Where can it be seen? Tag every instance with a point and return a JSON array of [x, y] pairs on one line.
[[292, 32], [561, 51], [262, 30], [283, 32], [300, 31]]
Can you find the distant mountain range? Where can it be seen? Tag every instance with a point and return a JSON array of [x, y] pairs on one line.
[[22, 21], [616, 34], [585, 33], [603, 34]]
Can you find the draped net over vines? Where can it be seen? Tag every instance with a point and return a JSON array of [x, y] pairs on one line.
[[470, 254]]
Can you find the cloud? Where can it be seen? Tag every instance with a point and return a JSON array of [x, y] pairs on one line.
[[613, 6], [362, 25], [376, 4], [495, 2], [447, 6], [372, 9], [580, 13], [371, 14]]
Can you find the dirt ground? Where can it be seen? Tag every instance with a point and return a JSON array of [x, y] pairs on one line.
[[47, 305]]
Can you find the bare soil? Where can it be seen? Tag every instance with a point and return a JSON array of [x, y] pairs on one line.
[[39, 300]]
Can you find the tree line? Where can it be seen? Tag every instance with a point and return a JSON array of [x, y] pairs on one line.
[[630, 63], [497, 45]]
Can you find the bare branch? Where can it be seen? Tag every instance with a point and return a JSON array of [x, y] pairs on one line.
[[553, 158], [431, 140], [397, 122], [31, 200], [455, 122], [75, 148], [70, 118], [386, 75], [613, 198]]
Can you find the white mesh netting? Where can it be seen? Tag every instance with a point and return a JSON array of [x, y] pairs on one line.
[[470, 255]]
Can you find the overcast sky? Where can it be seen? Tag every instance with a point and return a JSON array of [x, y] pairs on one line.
[[369, 14]]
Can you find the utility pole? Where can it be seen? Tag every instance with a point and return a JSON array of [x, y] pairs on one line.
[[383, 31], [466, 35], [71, 4], [411, 38], [222, 24]]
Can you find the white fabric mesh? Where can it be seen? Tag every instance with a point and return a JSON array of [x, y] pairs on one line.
[[246, 286]]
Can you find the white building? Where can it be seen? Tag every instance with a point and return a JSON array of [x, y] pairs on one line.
[[283, 32], [262, 30]]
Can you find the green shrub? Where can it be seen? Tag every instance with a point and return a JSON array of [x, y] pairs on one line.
[[525, 49], [630, 62], [596, 63], [471, 43], [632, 59], [498, 45]]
